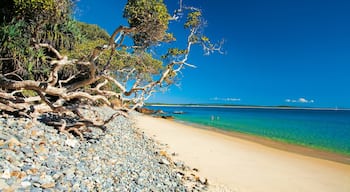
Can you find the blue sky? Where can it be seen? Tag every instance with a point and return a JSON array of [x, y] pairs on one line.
[[278, 52]]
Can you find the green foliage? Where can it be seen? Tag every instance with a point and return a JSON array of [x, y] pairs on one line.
[[204, 39], [36, 21], [42, 10], [28, 22], [193, 20], [29, 93], [150, 18], [90, 36], [92, 32], [15, 47], [174, 52]]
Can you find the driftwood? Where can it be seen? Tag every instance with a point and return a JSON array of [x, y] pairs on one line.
[[56, 99]]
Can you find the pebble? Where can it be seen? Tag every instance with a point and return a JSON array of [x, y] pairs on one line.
[[164, 161], [37, 157], [71, 142], [3, 184]]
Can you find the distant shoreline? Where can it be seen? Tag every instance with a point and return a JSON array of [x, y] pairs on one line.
[[248, 107]]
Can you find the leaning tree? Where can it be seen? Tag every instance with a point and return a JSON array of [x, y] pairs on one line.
[[50, 64]]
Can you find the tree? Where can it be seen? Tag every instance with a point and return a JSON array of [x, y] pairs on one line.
[[27, 23], [112, 69]]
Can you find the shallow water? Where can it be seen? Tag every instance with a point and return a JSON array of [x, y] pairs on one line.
[[322, 129]]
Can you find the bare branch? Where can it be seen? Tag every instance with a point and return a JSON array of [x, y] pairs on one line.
[[48, 46]]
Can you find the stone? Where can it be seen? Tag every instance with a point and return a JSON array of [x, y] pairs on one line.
[[163, 153], [3, 185], [71, 142], [56, 176], [27, 150], [76, 187], [2, 142], [48, 185], [32, 171], [13, 142], [26, 184], [164, 161], [122, 158], [18, 174], [6, 174], [41, 149], [203, 180], [167, 117], [28, 125]]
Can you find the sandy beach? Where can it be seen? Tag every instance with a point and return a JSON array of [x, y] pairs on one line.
[[243, 165]]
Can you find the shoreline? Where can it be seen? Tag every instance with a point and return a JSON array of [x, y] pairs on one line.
[[284, 146], [250, 107], [241, 164]]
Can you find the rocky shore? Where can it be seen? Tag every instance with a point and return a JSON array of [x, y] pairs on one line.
[[37, 157]]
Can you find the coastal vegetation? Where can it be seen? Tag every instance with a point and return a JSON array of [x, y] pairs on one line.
[[50, 63]]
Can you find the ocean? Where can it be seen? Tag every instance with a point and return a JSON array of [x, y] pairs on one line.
[[327, 130]]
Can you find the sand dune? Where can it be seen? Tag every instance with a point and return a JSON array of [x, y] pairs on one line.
[[243, 165]]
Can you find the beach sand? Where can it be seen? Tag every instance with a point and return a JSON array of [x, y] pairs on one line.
[[243, 165]]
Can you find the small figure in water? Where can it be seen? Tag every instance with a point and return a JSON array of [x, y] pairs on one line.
[[212, 117]]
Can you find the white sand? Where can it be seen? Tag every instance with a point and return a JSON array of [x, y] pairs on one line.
[[243, 165]]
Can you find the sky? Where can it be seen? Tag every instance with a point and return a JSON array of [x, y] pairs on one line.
[[277, 52]]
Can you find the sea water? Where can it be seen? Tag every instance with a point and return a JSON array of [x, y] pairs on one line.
[[321, 129]]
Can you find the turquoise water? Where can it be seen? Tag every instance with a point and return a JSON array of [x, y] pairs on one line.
[[321, 129]]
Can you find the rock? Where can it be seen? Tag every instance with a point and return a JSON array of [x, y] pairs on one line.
[[18, 174], [71, 142], [145, 110], [28, 125], [3, 185], [37, 185], [160, 112], [45, 179], [121, 158], [41, 149], [163, 153], [164, 161], [26, 184], [203, 180], [27, 150], [76, 187], [141, 181], [13, 142], [167, 117], [6, 174]]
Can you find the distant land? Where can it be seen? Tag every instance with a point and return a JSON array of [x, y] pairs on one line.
[[240, 106]]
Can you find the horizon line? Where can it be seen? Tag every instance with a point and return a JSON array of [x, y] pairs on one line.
[[245, 106]]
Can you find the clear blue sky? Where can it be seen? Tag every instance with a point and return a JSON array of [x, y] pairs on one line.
[[278, 52]]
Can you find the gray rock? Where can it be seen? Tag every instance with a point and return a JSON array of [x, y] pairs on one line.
[[25, 184], [164, 161], [203, 180], [3, 185], [27, 150], [119, 159]]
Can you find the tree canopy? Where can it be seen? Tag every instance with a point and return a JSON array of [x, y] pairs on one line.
[[57, 60], [150, 18]]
